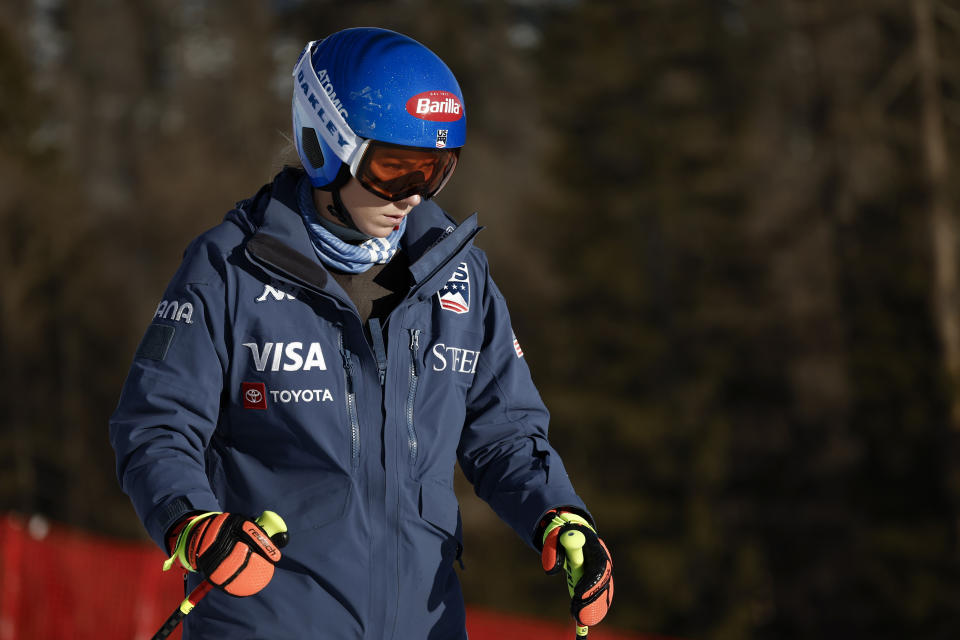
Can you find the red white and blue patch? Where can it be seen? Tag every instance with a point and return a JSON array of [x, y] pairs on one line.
[[455, 294], [516, 345]]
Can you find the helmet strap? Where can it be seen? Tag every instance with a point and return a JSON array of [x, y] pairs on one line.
[[339, 210], [340, 180], [352, 233]]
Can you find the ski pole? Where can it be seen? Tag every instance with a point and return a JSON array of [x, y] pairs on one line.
[[276, 529], [573, 542]]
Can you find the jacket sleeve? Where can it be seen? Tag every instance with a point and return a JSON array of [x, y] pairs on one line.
[[504, 451], [169, 405]]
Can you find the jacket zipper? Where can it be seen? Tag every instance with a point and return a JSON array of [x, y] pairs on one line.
[[351, 403], [412, 394]]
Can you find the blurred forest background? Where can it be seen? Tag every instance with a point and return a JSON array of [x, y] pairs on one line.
[[727, 230]]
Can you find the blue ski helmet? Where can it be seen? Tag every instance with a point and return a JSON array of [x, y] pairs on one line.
[[367, 85]]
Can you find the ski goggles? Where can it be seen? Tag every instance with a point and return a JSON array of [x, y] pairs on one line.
[[394, 172]]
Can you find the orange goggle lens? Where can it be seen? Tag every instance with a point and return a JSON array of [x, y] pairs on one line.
[[393, 172]]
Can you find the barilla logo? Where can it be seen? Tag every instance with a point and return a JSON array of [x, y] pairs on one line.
[[436, 106]]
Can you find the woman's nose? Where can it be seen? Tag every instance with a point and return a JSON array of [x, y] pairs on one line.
[[411, 201]]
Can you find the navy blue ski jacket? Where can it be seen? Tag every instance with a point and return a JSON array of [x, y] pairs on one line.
[[255, 387]]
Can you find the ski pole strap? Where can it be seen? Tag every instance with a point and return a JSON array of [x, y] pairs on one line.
[[180, 549]]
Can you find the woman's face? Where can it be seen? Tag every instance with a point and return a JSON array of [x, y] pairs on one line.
[[373, 216]]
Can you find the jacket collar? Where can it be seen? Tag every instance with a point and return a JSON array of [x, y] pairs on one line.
[[433, 239], [280, 242]]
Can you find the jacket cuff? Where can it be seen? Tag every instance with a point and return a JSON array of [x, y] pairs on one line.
[[166, 516]]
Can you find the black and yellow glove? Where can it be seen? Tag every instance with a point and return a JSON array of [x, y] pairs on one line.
[[590, 579]]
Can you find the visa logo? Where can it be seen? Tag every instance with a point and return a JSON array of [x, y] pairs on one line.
[[286, 356]]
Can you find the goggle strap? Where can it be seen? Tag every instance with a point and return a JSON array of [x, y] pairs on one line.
[[358, 157], [341, 138], [446, 177]]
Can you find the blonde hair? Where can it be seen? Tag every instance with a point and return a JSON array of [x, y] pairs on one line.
[[286, 154]]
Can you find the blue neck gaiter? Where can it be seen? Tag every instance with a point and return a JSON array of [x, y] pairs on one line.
[[331, 244]]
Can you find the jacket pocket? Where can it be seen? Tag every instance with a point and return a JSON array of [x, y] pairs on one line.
[[316, 505], [351, 400], [440, 366], [414, 381], [439, 507]]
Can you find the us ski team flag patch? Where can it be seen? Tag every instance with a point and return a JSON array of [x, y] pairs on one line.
[[455, 294]]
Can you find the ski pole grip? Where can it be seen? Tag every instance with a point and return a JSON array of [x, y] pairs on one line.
[[275, 527], [573, 542]]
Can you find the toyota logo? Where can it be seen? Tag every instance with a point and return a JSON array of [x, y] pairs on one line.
[[253, 396]]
